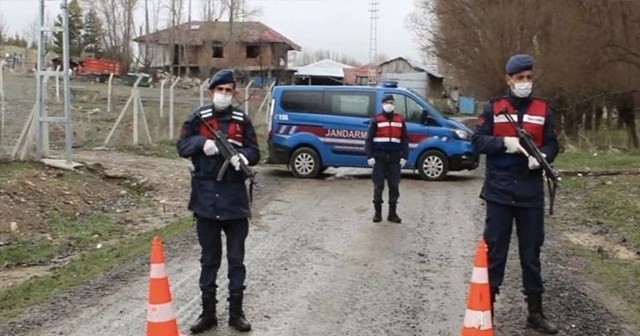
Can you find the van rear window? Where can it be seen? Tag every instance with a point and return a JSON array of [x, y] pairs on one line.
[[302, 101]]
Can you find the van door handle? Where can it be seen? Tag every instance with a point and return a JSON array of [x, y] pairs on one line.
[[366, 122]]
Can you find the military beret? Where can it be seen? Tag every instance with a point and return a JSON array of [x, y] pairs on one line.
[[387, 97], [518, 63], [221, 77]]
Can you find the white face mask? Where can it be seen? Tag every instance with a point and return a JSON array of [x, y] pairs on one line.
[[387, 108], [522, 90], [221, 101]]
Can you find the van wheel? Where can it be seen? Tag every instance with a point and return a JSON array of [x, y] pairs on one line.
[[305, 163], [433, 165]]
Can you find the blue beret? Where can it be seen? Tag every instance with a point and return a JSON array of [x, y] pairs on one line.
[[518, 63], [387, 97], [221, 77]]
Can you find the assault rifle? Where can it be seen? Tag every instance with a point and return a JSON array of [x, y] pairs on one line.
[[228, 151], [527, 143]]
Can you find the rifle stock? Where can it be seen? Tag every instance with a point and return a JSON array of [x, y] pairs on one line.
[[527, 143]]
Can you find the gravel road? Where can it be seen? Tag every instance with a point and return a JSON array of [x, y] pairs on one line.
[[317, 265]]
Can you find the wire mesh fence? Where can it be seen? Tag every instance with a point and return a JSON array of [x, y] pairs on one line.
[[96, 107]]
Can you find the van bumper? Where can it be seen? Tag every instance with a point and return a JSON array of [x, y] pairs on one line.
[[466, 161], [278, 154]]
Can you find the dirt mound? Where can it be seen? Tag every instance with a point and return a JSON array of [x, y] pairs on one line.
[[49, 215], [30, 194]]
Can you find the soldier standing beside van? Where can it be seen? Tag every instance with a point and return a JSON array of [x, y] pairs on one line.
[[387, 149], [514, 188], [220, 205]]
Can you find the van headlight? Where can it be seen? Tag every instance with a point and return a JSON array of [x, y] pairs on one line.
[[462, 135]]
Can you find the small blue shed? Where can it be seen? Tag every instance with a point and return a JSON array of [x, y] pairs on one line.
[[467, 105]]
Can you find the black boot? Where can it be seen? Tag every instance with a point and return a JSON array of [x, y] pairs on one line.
[[493, 303], [377, 216], [236, 315], [536, 318], [393, 216], [207, 319]]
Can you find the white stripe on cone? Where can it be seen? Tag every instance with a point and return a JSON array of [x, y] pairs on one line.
[[478, 319], [480, 275], [158, 271], [160, 313]]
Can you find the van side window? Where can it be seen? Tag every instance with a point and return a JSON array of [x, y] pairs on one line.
[[301, 101], [408, 108], [350, 103]]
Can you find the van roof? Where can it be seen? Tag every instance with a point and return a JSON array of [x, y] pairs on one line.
[[336, 87]]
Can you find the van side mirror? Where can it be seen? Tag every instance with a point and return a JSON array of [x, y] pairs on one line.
[[429, 120]]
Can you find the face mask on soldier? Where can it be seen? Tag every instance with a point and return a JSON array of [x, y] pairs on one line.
[[522, 89], [221, 101], [387, 108]]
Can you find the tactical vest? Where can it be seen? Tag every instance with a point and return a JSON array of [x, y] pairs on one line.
[[388, 130], [235, 128], [532, 120]]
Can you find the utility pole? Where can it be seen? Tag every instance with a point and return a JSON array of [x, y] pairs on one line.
[[42, 120], [373, 40], [189, 11]]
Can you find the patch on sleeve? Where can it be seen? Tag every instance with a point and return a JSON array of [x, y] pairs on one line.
[[555, 131], [480, 121], [184, 131]]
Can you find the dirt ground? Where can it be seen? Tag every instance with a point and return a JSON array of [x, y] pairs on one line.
[[45, 206], [317, 265]]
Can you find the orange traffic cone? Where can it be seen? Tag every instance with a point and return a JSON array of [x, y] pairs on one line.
[[160, 318], [477, 318]]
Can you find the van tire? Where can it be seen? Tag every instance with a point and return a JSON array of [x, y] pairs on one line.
[[433, 165], [305, 163]]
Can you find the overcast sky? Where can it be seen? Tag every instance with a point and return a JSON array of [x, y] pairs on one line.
[[338, 25]]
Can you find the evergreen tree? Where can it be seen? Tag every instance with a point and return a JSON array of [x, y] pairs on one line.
[[92, 37], [75, 30]]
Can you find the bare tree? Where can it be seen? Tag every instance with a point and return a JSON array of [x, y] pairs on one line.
[[586, 57], [238, 11], [152, 12], [127, 28], [176, 9], [212, 10], [4, 29], [31, 32], [119, 26]]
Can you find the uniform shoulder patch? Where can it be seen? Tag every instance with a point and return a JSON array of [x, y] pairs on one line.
[[237, 115], [205, 113]]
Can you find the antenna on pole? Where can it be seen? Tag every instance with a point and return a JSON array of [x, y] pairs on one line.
[[373, 40]]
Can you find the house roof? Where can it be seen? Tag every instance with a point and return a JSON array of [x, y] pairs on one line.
[[197, 32], [324, 68], [416, 66]]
